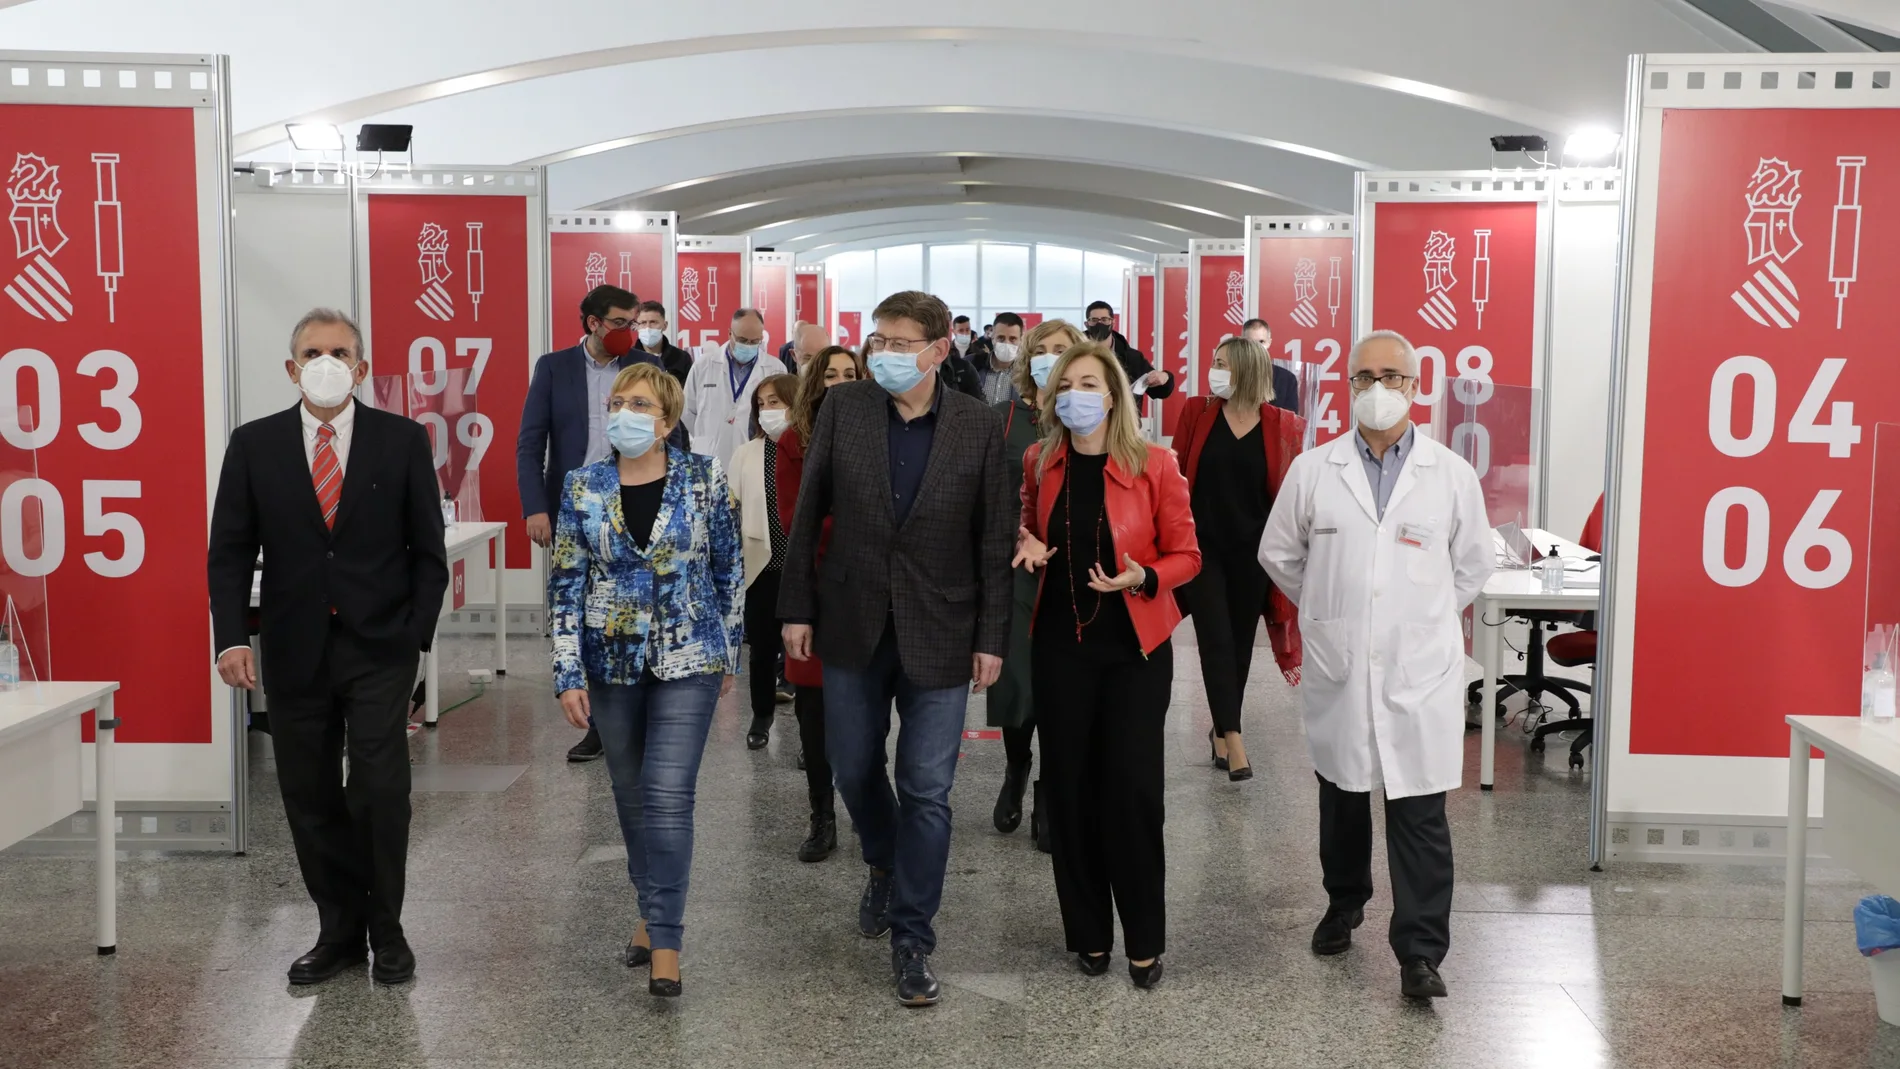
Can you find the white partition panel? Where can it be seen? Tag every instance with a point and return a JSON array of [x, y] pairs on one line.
[[293, 250], [1582, 328]]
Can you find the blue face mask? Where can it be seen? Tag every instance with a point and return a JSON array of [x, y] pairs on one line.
[[1081, 412], [631, 433], [896, 372], [1039, 368], [744, 354]]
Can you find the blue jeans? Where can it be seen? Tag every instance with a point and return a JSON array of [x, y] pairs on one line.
[[906, 834], [654, 733]]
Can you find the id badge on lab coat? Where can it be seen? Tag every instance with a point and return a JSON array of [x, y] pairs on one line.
[[1415, 536]]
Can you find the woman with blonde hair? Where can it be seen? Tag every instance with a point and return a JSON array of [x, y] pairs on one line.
[[1235, 448], [1010, 706], [1111, 512]]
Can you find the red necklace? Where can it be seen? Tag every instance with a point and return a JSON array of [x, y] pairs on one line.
[[1068, 536]]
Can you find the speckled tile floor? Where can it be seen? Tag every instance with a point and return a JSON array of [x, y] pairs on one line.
[[517, 909]]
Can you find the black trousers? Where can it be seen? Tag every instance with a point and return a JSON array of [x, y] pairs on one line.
[[352, 838], [1418, 852], [1226, 600], [1017, 743], [808, 704], [763, 638], [1101, 721]]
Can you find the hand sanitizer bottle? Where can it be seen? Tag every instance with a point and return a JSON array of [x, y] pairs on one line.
[[1877, 683], [448, 511], [9, 660]]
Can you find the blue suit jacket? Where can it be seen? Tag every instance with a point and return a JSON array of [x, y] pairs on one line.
[[553, 436]]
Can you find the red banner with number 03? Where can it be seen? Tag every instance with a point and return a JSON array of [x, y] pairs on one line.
[[448, 288], [1306, 298], [1777, 251], [102, 401]]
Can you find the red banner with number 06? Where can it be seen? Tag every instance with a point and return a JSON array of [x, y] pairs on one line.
[[1777, 251]]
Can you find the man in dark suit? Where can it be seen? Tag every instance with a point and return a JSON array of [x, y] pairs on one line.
[[1146, 379], [564, 420], [913, 604], [649, 324], [343, 502], [1286, 385]]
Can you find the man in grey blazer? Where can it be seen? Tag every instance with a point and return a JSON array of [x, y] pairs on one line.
[[911, 603]]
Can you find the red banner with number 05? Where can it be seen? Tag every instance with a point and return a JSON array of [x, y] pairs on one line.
[[102, 406], [1777, 252], [448, 288]]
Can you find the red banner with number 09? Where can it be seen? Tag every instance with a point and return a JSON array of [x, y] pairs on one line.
[[1777, 243], [102, 406], [448, 298]]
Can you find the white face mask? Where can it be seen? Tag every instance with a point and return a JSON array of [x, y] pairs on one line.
[[1380, 409], [962, 340], [1005, 352], [326, 381], [650, 336], [1221, 382], [773, 421]]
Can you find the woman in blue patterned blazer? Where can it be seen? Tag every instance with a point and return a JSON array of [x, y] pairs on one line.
[[647, 595]]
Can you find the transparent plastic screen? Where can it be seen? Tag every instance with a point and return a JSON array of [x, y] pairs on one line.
[[459, 434], [32, 541]]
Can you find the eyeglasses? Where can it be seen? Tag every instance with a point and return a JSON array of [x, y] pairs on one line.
[[1101, 321], [638, 404], [618, 323], [346, 355], [1391, 380], [899, 346]]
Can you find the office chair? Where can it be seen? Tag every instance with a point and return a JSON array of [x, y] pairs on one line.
[[1572, 650]]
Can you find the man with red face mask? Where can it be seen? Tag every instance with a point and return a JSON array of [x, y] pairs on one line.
[[564, 422]]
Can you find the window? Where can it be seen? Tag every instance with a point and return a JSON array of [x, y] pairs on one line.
[[1102, 279], [1005, 278], [1058, 275], [899, 268], [953, 276], [856, 273], [981, 281]]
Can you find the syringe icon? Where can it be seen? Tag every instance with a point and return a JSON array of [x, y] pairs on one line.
[[626, 271], [476, 280], [1844, 257], [1481, 273], [1333, 289], [108, 242], [712, 290]]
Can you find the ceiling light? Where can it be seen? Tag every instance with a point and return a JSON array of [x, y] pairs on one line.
[[1592, 143], [315, 136]]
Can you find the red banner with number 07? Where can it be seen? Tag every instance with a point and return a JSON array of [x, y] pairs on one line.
[[1777, 251]]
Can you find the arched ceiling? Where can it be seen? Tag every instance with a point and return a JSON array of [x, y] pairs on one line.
[[1121, 125]]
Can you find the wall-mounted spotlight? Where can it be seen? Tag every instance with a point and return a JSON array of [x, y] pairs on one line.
[[314, 136], [1592, 143], [1520, 143], [384, 137]]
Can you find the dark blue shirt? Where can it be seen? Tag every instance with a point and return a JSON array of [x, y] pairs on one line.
[[910, 451]]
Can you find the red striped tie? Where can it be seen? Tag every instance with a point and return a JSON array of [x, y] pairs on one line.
[[327, 474]]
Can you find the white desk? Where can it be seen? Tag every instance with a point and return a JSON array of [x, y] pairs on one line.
[[462, 541], [1862, 803], [1505, 591], [40, 774]]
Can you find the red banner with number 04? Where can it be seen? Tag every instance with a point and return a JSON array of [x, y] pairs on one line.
[[1775, 255]]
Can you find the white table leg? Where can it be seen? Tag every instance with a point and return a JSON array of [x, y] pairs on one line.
[[108, 817], [431, 683], [1487, 634], [1794, 910], [501, 602]]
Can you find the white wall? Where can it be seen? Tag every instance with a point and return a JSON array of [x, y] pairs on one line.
[[1582, 320], [291, 252]]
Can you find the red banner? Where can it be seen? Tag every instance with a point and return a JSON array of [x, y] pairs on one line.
[[1459, 279], [102, 408], [1150, 340], [1766, 378], [1171, 337], [831, 306], [851, 329], [711, 287], [579, 260], [448, 289], [807, 305], [458, 583], [1223, 309], [1032, 320], [771, 296], [1305, 295]]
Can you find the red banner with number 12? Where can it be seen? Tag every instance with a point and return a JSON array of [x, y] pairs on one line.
[[1777, 251]]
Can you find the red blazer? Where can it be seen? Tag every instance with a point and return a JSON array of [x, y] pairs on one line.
[[789, 471], [1148, 519], [1282, 432]]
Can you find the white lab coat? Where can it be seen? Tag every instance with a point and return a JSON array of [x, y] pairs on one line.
[[1384, 674], [717, 423]]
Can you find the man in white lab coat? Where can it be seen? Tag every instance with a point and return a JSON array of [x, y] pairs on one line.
[[1381, 539], [719, 389]]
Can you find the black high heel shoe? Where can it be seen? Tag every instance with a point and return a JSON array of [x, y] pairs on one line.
[[1092, 964], [638, 956], [1219, 761], [659, 988], [1145, 976]]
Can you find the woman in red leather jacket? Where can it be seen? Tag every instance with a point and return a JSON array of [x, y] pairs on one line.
[[1108, 514]]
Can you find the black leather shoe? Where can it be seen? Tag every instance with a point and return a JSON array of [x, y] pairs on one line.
[[874, 906], [1008, 814], [822, 840], [326, 960], [1092, 964], [1334, 934], [659, 988], [758, 735], [1145, 976], [395, 963], [916, 984], [638, 956], [588, 749], [1419, 979], [1039, 822], [1219, 761]]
